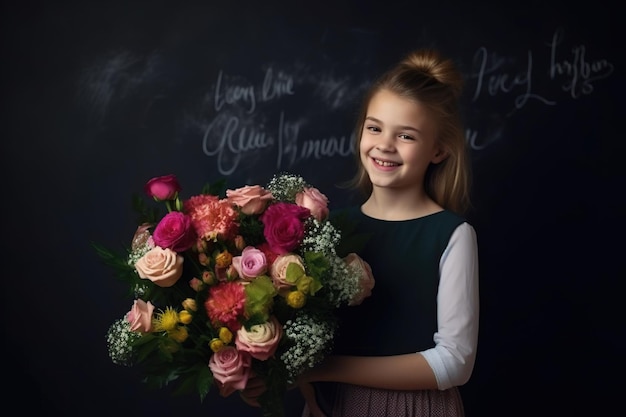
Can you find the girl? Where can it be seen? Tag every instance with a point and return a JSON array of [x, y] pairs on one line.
[[408, 347]]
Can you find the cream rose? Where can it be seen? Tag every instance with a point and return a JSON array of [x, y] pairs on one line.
[[261, 340], [162, 266], [366, 277], [252, 199], [278, 270]]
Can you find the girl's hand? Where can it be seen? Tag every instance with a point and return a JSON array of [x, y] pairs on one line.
[[253, 390], [308, 392]]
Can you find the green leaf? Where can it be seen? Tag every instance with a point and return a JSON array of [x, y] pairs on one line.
[[205, 381], [259, 296], [316, 264]]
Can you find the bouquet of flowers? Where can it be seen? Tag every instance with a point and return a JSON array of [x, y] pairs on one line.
[[227, 287]]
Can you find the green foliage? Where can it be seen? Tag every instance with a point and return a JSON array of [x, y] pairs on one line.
[[145, 214], [275, 374], [217, 188], [117, 261]]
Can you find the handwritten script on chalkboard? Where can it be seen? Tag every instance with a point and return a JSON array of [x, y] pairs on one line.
[[288, 111]]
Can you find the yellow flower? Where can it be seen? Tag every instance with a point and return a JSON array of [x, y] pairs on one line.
[[184, 317], [216, 344], [225, 335], [166, 320], [296, 299], [180, 334], [189, 304], [223, 259]]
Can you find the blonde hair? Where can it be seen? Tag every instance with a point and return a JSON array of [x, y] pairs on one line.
[[426, 77]]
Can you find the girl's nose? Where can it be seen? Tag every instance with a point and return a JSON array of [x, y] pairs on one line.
[[386, 143]]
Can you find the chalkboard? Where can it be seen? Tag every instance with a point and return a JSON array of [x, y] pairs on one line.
[[100, 97]]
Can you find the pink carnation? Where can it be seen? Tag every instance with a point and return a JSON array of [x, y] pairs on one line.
[[211, 217], [225, 304]]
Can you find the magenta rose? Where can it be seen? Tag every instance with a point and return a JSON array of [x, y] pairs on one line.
[[251, 263], [160, 265], [252, 199], [231, 368], [366, 277], [163, 188], [315, 201], [140, 316], [175, 232], [284, 226], [261, 340]]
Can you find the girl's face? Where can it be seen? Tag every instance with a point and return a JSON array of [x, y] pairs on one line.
[[399, 142]]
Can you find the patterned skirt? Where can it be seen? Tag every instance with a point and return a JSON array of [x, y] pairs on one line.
[[357, 401]]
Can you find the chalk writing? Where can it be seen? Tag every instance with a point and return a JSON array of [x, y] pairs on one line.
[[233, 94], [538, 77], [494, 75], [581, 72], [229, 135]]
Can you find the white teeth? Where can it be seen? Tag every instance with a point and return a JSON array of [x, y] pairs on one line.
[[384, 163]]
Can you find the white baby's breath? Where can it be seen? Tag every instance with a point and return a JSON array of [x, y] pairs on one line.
[[119, 339], [311, 339]]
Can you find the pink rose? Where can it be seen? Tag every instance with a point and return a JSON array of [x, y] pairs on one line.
[[160, 265], [315, 201], [140, 316], [231, 368], [251, 263], [175, 232], [163, 188], [252, 199], [278, 270], [284, 226], [366, 278], [261, 340]]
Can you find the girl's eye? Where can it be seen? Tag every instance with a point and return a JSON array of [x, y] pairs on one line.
[[406, 137], [373, 128]]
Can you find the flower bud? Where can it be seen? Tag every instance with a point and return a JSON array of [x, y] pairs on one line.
[[208, 277], [223, 259], [296, 299], [225, 335], [203, 259], [180, 334], [196, 284], [189, 304], [184, 317], [240, 242], [216, 344]]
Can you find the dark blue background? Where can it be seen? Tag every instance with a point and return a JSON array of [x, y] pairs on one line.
[[99, 97]]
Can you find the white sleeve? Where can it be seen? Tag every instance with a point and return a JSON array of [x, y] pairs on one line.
[[452, 358]]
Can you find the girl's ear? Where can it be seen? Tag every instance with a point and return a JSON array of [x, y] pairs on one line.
[[440, 155]]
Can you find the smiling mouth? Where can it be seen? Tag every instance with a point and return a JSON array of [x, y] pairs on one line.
[[384, 163]]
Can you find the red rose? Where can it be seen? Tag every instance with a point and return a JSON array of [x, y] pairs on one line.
[[163, 188], [284, 226]]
